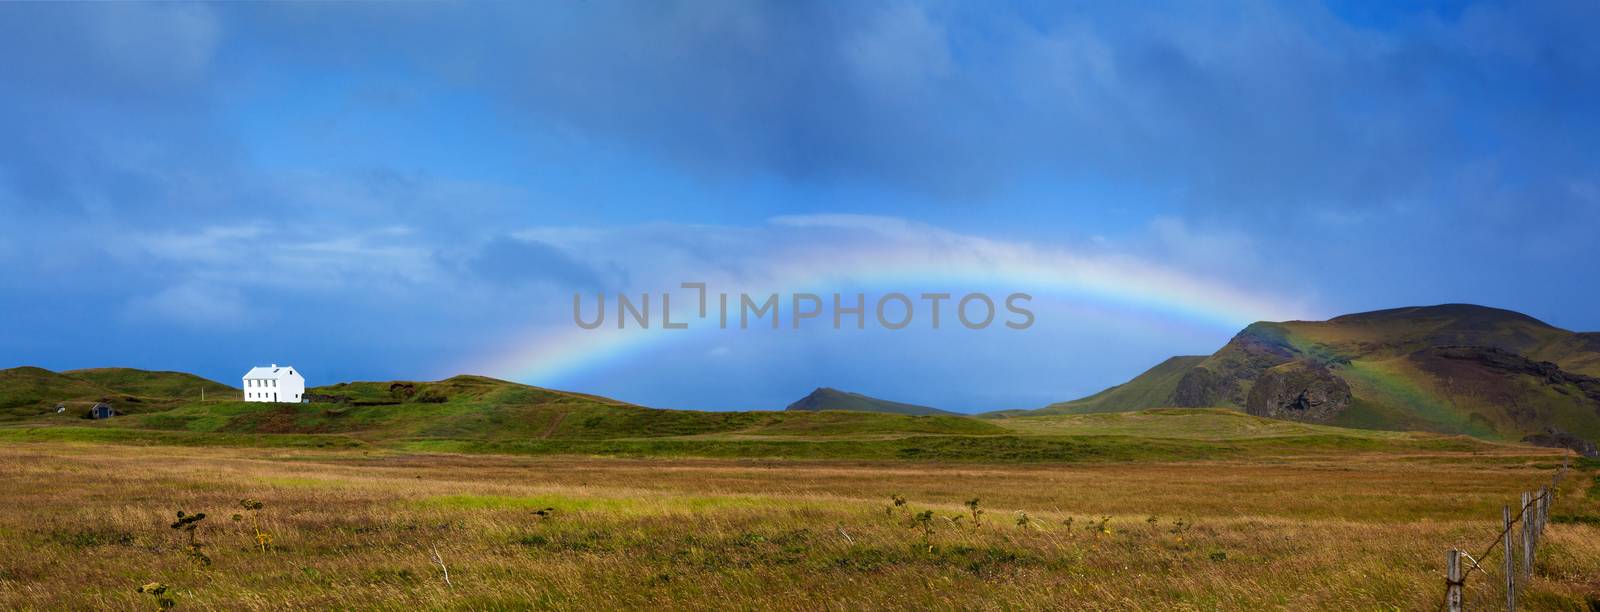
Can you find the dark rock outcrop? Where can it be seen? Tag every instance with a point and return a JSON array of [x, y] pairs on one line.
[[1298, 391], [1512, 363], [1555, 438], [1220, 380]]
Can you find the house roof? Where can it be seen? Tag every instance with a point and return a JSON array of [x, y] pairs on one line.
[[269, 372]]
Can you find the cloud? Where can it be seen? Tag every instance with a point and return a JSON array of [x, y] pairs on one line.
[[509, 260], [197, 306], [901, 52]]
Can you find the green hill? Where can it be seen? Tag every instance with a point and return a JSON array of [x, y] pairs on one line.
[[1152, 388], [456, 388], [824, 398], [1454, 368], [485, 415], [485, 409], [28, 392], [155, 384]]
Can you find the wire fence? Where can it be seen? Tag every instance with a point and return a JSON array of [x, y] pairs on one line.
[[1530, 519]]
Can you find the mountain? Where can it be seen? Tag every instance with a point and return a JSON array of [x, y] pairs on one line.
[[825, 398], [1453, 368]]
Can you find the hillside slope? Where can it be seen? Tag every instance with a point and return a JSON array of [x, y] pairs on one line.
[[151, 383], [824, 398], [1454, 368], [1153, 388], [28, 391]]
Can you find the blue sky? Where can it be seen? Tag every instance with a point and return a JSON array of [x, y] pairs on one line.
[[378, 191]]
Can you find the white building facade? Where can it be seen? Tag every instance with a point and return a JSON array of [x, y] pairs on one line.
[[274, 384]]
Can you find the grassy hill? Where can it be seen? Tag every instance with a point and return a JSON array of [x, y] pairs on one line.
[[484, 415], [27, 391], [1453, 368], [1152, 388], [825, 398], [155, 384], [480, 414], [30, 390]]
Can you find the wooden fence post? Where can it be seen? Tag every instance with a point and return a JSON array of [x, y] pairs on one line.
[[1527, 536], [1544, 509], [1511, 561], [1452, 580]]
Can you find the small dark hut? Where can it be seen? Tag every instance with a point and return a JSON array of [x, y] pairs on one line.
[[102, 411]]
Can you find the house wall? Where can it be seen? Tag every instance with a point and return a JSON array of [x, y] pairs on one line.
[[291, 388]]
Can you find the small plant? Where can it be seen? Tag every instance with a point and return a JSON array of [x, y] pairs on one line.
[[972, 506], [253, 507], [1103, 526], [544, 513], [1068, 524], [896, 502], [1023, 520], [161, 593], [1180, 527], [924, 521], [1219, 555], [189, 523], [1152, 522]]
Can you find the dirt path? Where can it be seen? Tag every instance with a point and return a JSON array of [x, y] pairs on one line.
[[554, 423]]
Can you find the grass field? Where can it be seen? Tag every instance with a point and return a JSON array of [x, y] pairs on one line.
[[87, 523]]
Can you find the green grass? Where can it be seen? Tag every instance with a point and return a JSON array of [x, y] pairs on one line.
[[1000, 449], [560, 417], [112, 435], [1187, 423], [987, 448]]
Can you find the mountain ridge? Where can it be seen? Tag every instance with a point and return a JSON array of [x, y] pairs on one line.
[[828, 398], [1449, 368]]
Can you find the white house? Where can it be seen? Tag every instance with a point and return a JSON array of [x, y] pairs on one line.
[[273, 384]]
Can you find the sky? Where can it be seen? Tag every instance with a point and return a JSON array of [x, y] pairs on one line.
[[376, 191]]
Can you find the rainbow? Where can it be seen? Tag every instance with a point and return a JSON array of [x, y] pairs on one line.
[[548, 354]]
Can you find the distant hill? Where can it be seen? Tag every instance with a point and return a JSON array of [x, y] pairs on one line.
[[1453, 368], [28, 391], [150, 383], [482, 409], [825, 398], [33, 387], [462, 387]]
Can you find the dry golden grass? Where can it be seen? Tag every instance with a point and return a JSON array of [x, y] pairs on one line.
[[82, 526]]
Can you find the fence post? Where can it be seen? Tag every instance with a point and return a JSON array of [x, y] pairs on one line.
[[1544, 509], [1511, 561], [1527, 536], [1452, 580]]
